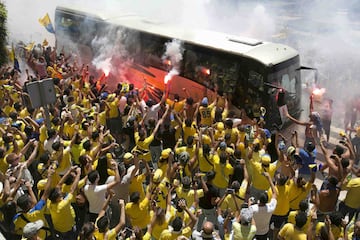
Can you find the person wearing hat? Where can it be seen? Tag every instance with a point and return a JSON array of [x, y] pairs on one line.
[[205, 110], [259, 182], [243, 228], [31, 212], [31, 230]]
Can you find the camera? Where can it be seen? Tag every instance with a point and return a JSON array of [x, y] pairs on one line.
[[230, 191]]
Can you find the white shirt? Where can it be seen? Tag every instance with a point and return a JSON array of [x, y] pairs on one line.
[[153, 111], [96, 196], [262, 215]]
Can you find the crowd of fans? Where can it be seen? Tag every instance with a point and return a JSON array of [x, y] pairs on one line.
[[115, 165]]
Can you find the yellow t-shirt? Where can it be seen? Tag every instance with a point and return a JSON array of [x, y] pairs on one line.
[[222, 173], [178, 106], [157, 229], [352, 196], [239, 197], [297, 194], [259, 181], [136, 185], [189, 195], [143, 146], [189, 131], [171, 235], [234, 133], [292, 215], [113, 109], [289, 232], [283, 204], [205, 115], [138, 213], [62, 214], [111, 234], [32, 216], [206, 164]]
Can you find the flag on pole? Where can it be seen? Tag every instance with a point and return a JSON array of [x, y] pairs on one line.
[[30, 46], [12, 53], [46, 22]]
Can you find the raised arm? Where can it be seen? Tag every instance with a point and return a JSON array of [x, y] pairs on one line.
[[272, 186]]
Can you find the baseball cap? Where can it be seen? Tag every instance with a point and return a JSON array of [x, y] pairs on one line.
[[184, 157], [158, 174], [290, 150], [246, 215], [165, 153], [32, 228], [128, 157], [220, 126], [265, 159], [222, 145], [205, 101]]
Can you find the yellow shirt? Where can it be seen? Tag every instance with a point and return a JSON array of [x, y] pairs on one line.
[[113, 109], [234, 133], [352, 196], [111, 234], [189, 131], [206, 164], [143, 146], [136, 185], [32, 216], [297, 194], [189, 195], [283, 205], [222, 173], [177, 106], [289, 232], [205, 115], [62, 214], [259, 181], [171, 235], [138, 213], [69, 129], [157, 229], [292, 215], [239, 197]]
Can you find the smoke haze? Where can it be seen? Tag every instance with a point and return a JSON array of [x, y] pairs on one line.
[[326, 32]]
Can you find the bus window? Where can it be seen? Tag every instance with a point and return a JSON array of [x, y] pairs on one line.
[[211, 69], [288, 84], [153, 49]]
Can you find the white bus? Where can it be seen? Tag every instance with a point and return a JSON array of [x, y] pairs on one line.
[[249, 71]]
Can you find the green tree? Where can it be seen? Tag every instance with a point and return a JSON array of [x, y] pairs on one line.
[[3, 35]]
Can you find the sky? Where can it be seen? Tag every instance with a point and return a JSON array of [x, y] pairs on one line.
[[325, 32]]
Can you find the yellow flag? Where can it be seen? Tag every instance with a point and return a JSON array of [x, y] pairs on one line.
[[30, 46], [45, 43], [46, 22]]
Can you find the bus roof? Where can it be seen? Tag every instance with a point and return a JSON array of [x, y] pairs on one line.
[[265, 52]]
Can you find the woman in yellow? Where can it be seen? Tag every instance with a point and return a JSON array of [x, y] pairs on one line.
[[102, 222]]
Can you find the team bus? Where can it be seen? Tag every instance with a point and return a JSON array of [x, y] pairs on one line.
[[250, 72]]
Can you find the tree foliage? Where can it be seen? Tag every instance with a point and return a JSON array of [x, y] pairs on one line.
[[3, 35]]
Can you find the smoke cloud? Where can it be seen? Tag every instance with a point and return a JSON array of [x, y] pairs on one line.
[[174, 53]]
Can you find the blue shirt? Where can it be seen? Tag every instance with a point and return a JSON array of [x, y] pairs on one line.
[[307, 158]]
